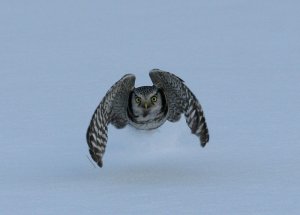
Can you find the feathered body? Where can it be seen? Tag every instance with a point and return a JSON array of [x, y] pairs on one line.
[[146, 107]]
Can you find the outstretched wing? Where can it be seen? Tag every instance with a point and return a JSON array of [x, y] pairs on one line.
[[181, 100], [112, 109]]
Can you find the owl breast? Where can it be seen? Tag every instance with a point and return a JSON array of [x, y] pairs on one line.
[[147, 108]]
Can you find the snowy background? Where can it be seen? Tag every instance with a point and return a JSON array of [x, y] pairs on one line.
[[239, 57]]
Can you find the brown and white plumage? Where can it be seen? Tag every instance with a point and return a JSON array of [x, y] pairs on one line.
[[146, 107]]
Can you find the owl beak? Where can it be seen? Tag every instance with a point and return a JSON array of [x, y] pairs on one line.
[[146, 105]]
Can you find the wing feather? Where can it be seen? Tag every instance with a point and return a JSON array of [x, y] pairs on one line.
[[180, 99], [112, 109]]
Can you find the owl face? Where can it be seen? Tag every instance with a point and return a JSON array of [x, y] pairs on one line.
[[146, 103]]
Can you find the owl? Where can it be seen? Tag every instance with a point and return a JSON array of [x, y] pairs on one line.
[[146, 107]]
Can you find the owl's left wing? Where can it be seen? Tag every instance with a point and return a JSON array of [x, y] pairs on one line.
[[112, 109], [180, 99]]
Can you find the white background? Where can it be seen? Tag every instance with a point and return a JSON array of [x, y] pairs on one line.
[[239, 57]]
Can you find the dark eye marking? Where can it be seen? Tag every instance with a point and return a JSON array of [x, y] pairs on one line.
[[154, 99], [137, 100]]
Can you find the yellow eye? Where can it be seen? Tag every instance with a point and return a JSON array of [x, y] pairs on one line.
[[154, 99], [138, 100]]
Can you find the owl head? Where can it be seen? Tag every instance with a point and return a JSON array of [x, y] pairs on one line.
[[146, 102]]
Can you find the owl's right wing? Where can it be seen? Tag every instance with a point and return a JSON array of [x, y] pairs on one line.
[[112, 109], [180, 99]]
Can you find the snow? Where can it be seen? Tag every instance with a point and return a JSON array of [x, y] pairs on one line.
[[240, 58]]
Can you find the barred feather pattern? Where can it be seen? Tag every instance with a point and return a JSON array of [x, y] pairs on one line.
[[97, 134], [195, 119], [180, 100], [112, 109]]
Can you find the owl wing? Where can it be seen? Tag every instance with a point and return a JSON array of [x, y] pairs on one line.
[[180, 100], [112, 109]]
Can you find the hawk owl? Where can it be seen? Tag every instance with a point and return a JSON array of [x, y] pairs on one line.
[[146, 107]]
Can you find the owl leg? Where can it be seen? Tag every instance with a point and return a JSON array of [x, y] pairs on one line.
[[97, 136]]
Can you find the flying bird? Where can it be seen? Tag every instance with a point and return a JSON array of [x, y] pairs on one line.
[[145, 107]]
